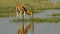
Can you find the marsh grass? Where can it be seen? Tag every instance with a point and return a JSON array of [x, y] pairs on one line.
[[39, 20], [56, 14]]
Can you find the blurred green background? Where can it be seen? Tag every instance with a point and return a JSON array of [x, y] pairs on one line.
[[7, 7]]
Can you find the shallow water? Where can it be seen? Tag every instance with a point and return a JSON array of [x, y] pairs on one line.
[[39, 28], [47, 28], [54, 0], [46, 14], [7, 27]]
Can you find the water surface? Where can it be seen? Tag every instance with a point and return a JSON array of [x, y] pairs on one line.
[[7, 27]]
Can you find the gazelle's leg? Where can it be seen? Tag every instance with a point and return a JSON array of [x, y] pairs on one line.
[[24, 14], [16, 14], [20, 14]]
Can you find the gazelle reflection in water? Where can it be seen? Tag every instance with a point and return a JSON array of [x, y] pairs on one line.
[[22, 30], [21, 10]]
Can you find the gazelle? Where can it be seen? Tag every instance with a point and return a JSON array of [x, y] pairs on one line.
[[21, 10]]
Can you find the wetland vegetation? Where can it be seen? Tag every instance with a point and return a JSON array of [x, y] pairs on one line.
[[7, 8], [39, 20], [41, 25], [56, 14]]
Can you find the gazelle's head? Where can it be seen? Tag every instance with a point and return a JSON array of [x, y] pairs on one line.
[[31, 14]]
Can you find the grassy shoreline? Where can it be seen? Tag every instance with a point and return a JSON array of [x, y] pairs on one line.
[[55, 20], [56, 14]]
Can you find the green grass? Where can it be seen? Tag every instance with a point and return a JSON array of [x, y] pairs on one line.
[[39, 20], [7, 7], [56, 14], [6, 14]]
